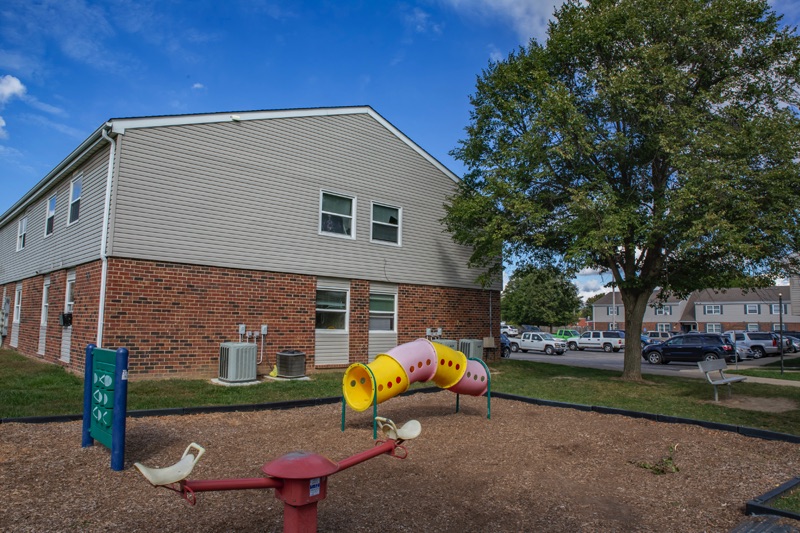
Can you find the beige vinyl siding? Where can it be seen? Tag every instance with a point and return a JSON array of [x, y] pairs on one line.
[[67, 246], [246, 195]]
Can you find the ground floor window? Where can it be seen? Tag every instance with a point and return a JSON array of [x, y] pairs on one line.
[[663, 327], [332, 309], [17, 304], [713, 328], [382, 312], [752, 327]]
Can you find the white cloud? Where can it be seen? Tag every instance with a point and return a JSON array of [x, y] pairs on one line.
[[495, 54], [528, 17], [9, 88], [198, 86], [3, 132], [420, 22]]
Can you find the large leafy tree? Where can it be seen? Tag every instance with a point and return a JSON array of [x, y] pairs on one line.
[[540, 297], [658, 141]]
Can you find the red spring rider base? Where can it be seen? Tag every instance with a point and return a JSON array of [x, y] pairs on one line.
[[300, 479]]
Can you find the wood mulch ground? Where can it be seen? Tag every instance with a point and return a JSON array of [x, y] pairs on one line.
[[529, 468]]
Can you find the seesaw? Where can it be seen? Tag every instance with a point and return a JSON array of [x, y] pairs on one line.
[[300, 479]]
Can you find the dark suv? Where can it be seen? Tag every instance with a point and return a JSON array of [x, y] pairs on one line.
[[690, 347]]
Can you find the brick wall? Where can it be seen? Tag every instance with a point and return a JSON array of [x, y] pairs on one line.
[[461, 313], [173, 317], [84, 329]]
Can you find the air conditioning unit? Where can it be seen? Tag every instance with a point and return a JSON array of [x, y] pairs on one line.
[[237, 361], [472, 348], [450, 343]]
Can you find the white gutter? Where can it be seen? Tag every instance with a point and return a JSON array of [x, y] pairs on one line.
[[104, 240]]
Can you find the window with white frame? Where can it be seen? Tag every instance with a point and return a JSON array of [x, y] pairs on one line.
[[713, 328], [382, 312], [337, 215], [332, 306], [775, 309], [69, 298], [385, 223], [613, 310], [50, 217], [663, 327], [751, 309], [777, 327], [663, 310], [17, 304], [752, 327], [712, 309], [22, 230], [75, 199], [45, 301]]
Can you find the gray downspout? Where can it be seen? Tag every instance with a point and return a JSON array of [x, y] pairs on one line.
[[104, 240]]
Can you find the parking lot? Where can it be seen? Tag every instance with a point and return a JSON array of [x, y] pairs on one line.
[[614, 361]]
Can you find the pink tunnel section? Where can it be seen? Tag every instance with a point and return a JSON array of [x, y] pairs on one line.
[[417, 361]]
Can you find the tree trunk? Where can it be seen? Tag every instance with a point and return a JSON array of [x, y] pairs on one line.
[[635, 302]]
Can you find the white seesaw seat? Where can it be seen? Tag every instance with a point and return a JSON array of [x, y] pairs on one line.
[[407, 431], [175, 473]]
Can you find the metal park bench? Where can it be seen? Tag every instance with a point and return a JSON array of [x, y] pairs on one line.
[[707, 367]]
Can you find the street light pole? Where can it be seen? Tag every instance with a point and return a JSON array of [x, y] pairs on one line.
[[780, 314]]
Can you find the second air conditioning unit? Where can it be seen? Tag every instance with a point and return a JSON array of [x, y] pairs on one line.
[[472, 348], [237, 361], [450, 343]]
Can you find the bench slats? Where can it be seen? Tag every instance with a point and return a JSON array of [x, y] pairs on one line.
[[707, 367]]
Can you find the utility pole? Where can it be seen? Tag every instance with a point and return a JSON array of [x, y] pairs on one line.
[[780, 314]]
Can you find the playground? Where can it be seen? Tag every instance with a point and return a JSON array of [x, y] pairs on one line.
[[528, 468]]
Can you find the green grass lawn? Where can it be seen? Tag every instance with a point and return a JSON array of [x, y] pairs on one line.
[[32, 388], [772, 370]]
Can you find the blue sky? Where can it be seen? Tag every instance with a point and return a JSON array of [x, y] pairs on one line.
[[66, 66]]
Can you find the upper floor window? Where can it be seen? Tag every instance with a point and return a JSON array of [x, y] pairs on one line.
[[50, 217], [713, 309], [381, 312], [775, 309], [332, 309], [664, 310], [22, 230], [613, 310], [751, 309], [75, 199], [337, 215], [385, 223]]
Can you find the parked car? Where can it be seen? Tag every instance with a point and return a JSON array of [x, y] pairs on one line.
[[537, 341], [761, 342], [787, 344], [659, 336], [607, 341], [743, 352], [526, 327], [794, 343], [509, 330], [565, 334], [505, 345], [690, 347], [648, 340]]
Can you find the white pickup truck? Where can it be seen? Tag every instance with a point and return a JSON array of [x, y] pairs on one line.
[[541, 342]]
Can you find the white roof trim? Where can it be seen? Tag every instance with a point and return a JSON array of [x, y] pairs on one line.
[[120, 125]]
